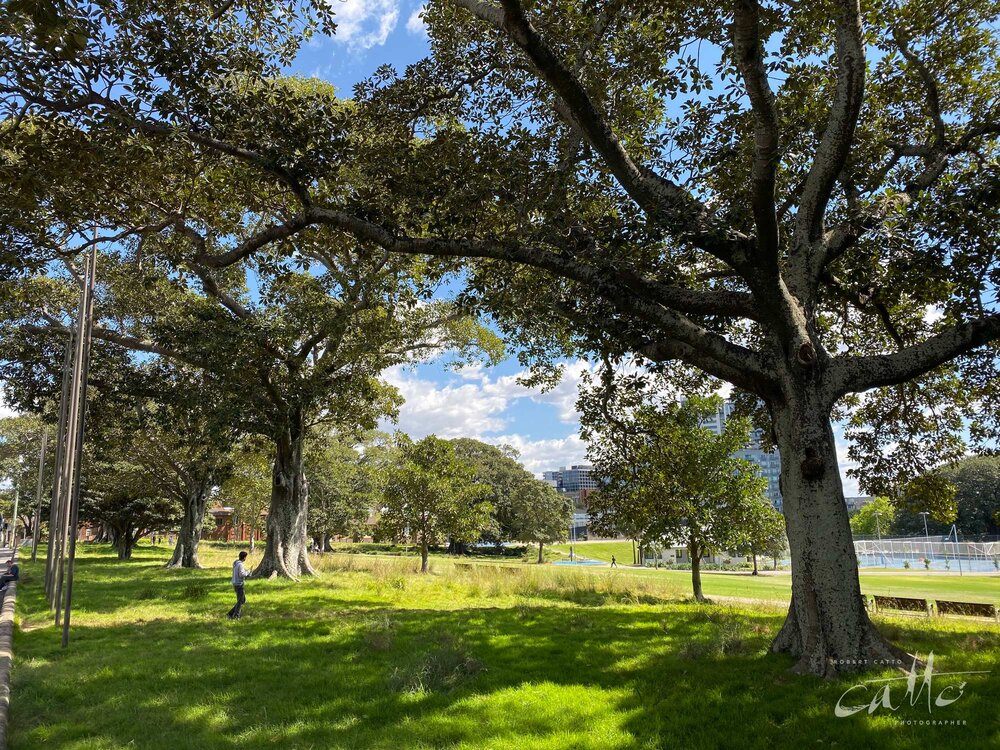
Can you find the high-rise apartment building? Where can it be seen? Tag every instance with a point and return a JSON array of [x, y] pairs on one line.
[[768, 462]]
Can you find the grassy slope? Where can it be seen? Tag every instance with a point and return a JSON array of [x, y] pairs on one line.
[[600, 551], [371, 655]]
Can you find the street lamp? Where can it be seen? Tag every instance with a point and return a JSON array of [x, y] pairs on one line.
[[927, 536], [878, 535]]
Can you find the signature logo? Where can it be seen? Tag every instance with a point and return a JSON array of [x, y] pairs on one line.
[[880, 692]]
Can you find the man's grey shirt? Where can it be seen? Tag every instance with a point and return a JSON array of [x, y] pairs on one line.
[[240, 573]]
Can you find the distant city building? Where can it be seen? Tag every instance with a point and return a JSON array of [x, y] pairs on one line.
[[854, 504], [575, 478], [768, 462], [577, 482]]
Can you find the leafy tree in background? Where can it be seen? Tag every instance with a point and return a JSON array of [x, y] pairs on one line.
[[431, 495], [291, 345], [874, 516], [126, 498], [974, 483], [343, 487], [809, 214], [20, 444], [763, 532], [524, 508], [182, 439], [669, 476], [247, 489]]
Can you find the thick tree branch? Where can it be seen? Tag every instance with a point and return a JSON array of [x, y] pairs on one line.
[[124, 340], [678, 299], [748, 49], [662, 199], [835, 144], [852, 374], [754, 380]]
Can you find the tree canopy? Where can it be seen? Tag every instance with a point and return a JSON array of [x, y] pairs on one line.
[[797, 199], [669, 479], [431, 495]]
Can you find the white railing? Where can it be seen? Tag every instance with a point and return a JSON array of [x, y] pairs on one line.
[[984, 556]]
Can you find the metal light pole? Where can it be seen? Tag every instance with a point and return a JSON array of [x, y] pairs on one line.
[[878, 535], [13, 520], [36, 526], [927, 536], [958, 556], [74, 510]]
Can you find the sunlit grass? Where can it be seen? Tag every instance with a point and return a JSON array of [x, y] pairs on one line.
[[371, 654]]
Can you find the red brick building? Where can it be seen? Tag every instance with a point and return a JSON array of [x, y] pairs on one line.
[[226, 531]]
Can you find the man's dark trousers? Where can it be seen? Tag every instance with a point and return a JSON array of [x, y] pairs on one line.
[[241, 599]]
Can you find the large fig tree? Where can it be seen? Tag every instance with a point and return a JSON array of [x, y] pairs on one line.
[[798, 199]]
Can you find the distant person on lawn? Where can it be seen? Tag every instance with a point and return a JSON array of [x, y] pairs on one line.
[[13, 573], [240, 574], [614, 563]]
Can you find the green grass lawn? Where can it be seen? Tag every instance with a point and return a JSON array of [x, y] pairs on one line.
[[971, 588], [600, 551], [372, 655]]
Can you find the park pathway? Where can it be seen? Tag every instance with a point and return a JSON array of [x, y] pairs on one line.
[[6, 647]]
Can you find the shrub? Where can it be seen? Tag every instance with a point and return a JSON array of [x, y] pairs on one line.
[[380, 632], [444, 668], [195, 591]]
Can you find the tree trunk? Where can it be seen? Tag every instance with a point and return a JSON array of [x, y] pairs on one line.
[[695, 550], [541, 557], [286, 552], [827, 627], [124, 542], [423, 556], [755, 563], [186, 551]]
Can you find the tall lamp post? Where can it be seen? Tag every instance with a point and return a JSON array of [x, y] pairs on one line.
[[878, 535], [958, 556], [927, 536]]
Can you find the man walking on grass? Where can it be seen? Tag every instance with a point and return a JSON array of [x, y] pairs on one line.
[[614, 562], [240, 574]]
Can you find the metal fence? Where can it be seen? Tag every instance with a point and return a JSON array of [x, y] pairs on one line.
[[931, 553]]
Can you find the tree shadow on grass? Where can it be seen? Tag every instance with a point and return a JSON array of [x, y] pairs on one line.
[[541, 676], [327, 665]]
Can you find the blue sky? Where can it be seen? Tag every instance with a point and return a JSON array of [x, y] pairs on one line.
[[487, 404]]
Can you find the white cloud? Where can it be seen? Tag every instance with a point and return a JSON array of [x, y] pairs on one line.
[[545, 455], [5, 411], [415, 23], [449, 410], [477, 407], [363, 24]]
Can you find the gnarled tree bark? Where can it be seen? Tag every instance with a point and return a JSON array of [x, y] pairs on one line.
[[186, 550], [827, 627], [286, 553]]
